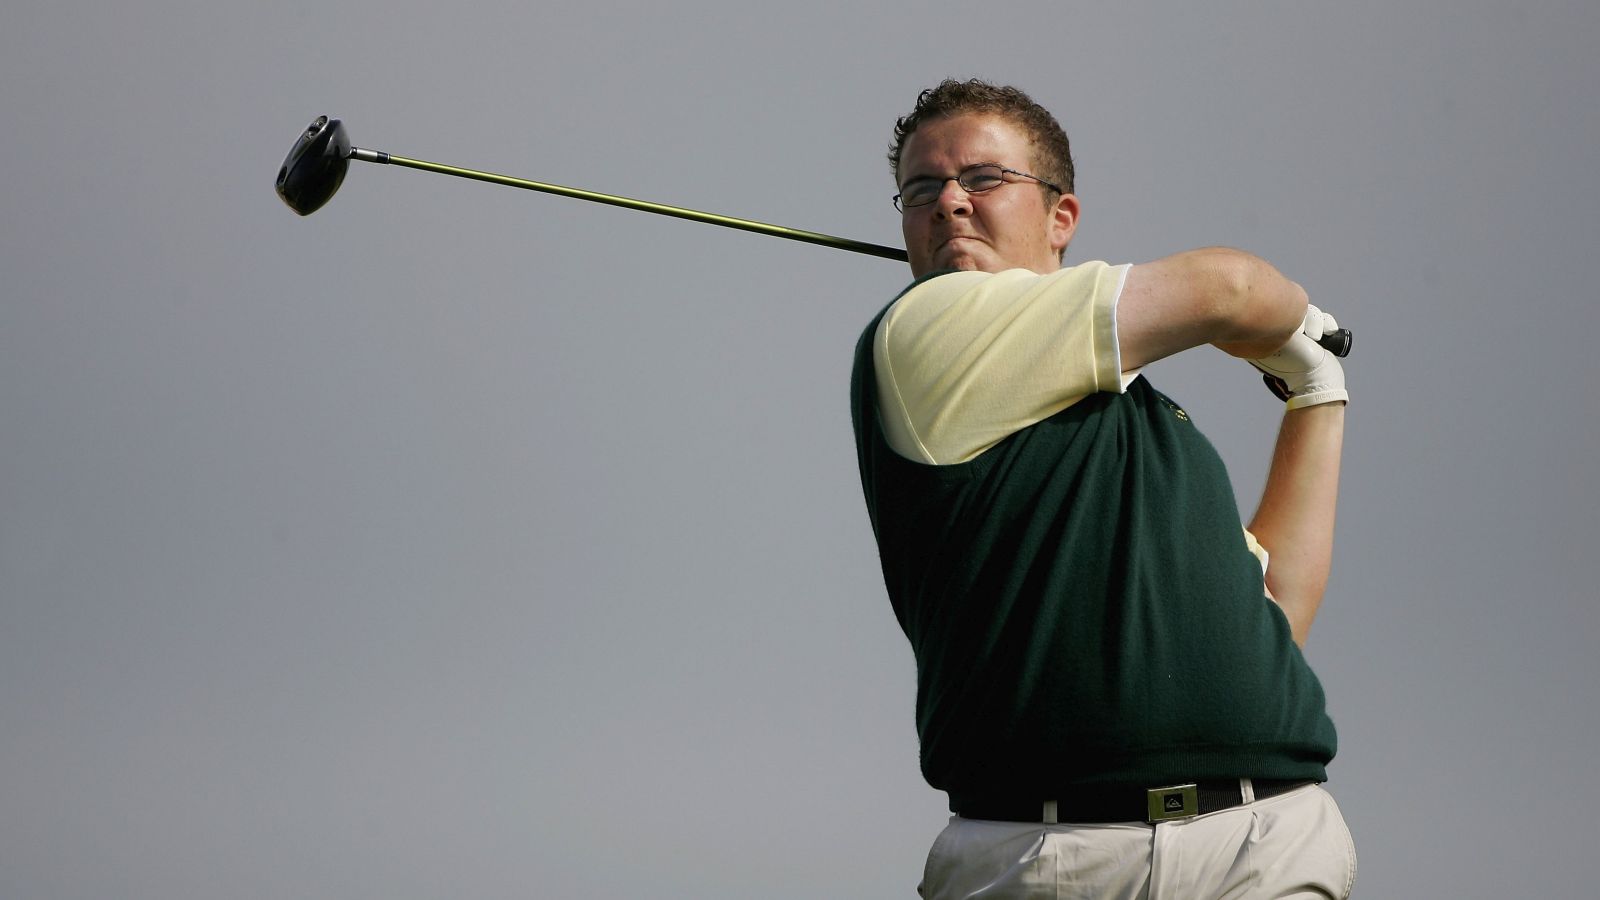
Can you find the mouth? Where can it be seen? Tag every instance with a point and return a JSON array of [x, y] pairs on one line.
[[952, 239]]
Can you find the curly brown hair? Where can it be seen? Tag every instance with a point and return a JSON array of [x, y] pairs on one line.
[[1051, 151]]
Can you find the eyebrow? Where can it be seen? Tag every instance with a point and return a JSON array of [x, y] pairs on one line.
[[920, 177]]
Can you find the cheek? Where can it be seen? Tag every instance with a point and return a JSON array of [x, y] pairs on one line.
[[915, 233]]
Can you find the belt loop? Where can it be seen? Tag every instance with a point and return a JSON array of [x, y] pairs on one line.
[[1247, 791], [1050, 812]]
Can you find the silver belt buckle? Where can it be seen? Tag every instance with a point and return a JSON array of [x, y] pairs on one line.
[[1178, 801]]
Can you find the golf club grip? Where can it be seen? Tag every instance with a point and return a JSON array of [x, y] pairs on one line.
[[1337, 342]]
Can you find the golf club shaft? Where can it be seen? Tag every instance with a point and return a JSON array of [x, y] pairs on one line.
[[694, 215]]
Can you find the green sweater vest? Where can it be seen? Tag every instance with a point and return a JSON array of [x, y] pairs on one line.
[[1083, 608]]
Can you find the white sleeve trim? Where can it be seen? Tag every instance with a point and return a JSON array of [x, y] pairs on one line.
[[1126, 375]]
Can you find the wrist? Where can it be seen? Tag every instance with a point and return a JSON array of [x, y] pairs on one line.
[[1313, 398], [1332, 409]]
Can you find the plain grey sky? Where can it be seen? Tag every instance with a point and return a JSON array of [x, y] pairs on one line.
[[460, 541]]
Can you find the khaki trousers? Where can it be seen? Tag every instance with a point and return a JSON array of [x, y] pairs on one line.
[[1292, 845]]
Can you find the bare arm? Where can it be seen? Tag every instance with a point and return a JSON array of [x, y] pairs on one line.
[[1248, 309], [1212, 296], [1295, 520]]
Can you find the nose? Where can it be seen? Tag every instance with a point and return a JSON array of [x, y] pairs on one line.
[[953, 201]]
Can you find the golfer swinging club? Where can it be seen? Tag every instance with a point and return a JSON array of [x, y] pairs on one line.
[[1110, 686]]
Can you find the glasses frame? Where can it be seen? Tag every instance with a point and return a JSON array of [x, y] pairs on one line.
[[959, 177]]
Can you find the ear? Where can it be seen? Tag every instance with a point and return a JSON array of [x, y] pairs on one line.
[[1064, 223]]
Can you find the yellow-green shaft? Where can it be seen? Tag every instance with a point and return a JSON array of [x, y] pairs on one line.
[[793, 234]]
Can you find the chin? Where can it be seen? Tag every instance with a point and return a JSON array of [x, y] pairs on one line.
[[961, 261]]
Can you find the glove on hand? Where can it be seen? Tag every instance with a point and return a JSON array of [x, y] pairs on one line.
[[1302, 372]]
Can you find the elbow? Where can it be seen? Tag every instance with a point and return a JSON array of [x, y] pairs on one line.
[[1299, 606], [1257, 309], [1299, 620]]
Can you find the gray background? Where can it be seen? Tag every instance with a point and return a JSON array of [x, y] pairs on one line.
[[460, 541]]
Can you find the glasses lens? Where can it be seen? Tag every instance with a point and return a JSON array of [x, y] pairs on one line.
[[920, 192], [982, 178]]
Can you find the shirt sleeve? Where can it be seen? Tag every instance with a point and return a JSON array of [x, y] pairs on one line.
[[965, 359], [1256, 550]]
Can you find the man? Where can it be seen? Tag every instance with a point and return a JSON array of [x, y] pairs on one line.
[[1109, 681]]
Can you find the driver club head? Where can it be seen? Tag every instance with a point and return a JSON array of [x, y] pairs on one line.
[[315, 166]]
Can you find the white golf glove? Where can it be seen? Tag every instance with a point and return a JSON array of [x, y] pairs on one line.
[[1302, 372]]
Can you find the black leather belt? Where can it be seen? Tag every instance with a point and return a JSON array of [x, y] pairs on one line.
[[1122, 803]]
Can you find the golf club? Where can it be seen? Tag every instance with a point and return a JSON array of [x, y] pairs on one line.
[[317, 163]]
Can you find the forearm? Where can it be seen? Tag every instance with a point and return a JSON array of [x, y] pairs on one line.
[[1295, 521]]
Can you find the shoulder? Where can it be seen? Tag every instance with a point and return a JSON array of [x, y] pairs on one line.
[[956, 303], [965, 358], [990, 291]]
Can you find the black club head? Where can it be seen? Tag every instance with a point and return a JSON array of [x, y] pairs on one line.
[[315, 166]]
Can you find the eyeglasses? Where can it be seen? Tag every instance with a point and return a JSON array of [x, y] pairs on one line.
[[973, 180]]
